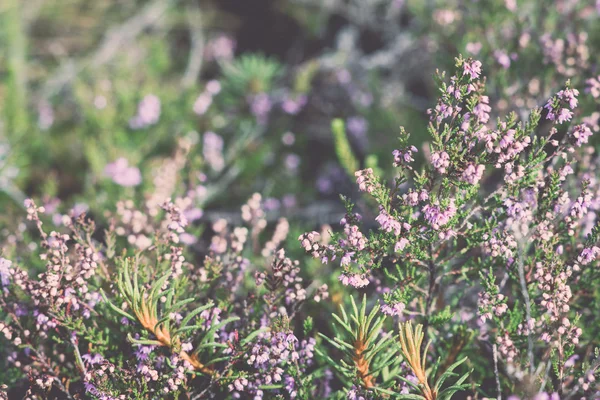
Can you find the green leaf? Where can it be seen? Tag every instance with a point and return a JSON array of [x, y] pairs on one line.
[[146, 342], [195, 312], [252, 335], [115, 308], [448, 373]]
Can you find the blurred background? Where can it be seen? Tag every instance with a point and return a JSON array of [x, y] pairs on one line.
[[96, 94]]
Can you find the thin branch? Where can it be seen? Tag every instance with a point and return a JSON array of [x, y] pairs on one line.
[[114, 41], [496, 373], [525, 293], [430, 292], [194, 20], [78, 359]]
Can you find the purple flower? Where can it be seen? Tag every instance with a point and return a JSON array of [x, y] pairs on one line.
[[292, 105], [289, 201], [388, 223], [92, 359], [346, 258], [588, 255], [502, 58], [357, 126], [288, 139], [436, 217], [260, 105], [581, 133], [400, 244], [440, 161], [564, 115], [212, 149], [122, 174], [355, 280], [148, 112], [593, 86], [561, 105], [193, 214], [143, 352], [187, 238], [290, 385], [474, 47], [473, 173], [220, 48], [394, 309], [472, 68], [546, 396], [482, 110], [292, 162], [78, 209], [202, 103], [404, 156]]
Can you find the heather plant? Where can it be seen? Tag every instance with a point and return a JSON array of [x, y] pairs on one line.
[[106, 319], [484, 256], [464, 262], [503, 212], [149, 304]]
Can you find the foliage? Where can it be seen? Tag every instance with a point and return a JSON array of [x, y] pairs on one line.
[[132, 132]]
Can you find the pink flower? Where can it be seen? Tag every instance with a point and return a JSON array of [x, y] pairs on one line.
[[388, 223], [202, 103], [355, 280], [482, 110], [220, 48], [473, 173], [472, 68], [122, 174], [346, 258], [395, 309], [404, 156], [558, 110], [260, 105], [400, 244], [148, 112], [581, 133], [474, 47], [588, 255], [293, 105], [440, 161], [436, 217]]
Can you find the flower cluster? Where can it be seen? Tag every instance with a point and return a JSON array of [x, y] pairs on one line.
[[148, 112]]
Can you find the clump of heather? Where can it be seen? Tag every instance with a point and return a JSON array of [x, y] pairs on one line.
[[491, 247], [151, 304], [472, 274]]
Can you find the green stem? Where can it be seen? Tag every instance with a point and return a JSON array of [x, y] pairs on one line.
[[11, 23]]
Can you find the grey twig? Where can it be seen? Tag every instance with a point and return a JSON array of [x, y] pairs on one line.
[[194, 66], [525, 292], [496, 373], [115, 39]]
